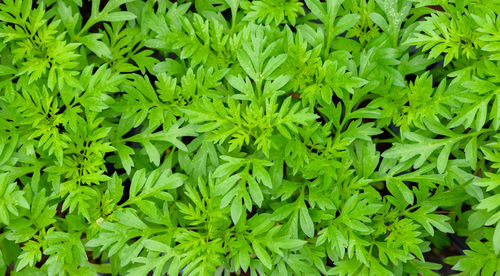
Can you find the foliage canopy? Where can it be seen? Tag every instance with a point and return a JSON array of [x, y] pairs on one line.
[[268, 137]]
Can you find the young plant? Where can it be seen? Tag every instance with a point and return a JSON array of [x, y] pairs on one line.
[[237, 137]]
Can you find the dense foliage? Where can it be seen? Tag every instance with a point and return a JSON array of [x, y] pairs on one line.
[[268, 137]]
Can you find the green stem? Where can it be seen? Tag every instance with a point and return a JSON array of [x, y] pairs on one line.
[[393, 134], [389, 141], [328, 38]]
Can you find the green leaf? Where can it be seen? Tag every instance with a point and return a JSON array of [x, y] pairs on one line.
[[227, 184], [306, 223], [154, 155], [262, 174], [345, 23], [398, 188], [443, 157], [119, 16], [255, 191], [317, 9], [6, 70], [471, 152], [156, 246], [489, 203], [380, 21], [244, 258], [92, 42], [289, 243], [246, 64], [125, 152], [129, 218], [236, 210], [138, 181], [262, 254], [429, 221], [496, 239], [273, 64]]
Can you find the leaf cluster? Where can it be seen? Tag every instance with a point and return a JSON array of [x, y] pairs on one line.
[[236, 137]]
